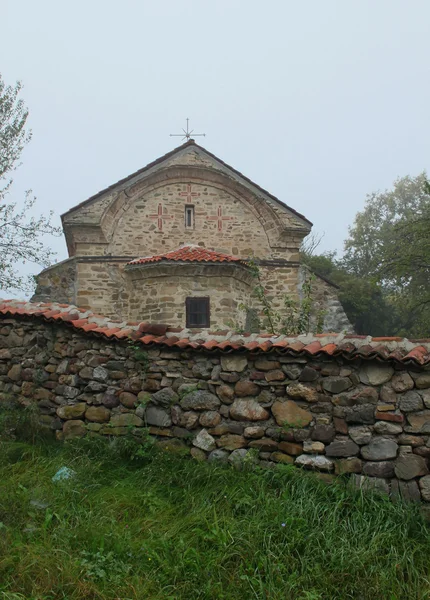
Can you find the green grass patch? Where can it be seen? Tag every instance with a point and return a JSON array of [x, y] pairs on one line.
[[165, 527]]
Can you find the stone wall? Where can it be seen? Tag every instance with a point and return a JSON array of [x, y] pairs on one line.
[[368, 419], [159, 291]]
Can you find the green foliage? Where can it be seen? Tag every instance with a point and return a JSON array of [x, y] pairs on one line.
[[106, 566], [364, 300], [19, 231], [171, 528], [389, 244], [140, 355], [21, 422]]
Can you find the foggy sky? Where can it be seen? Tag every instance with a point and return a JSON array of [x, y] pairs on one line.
[[318, 101]]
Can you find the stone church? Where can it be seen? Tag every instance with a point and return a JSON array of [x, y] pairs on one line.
[[169, 244]]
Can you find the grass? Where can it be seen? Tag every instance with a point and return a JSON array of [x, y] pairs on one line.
[[164, 527]]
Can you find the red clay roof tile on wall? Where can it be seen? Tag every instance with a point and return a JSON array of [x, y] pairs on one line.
[[188, 254], [394, 350]]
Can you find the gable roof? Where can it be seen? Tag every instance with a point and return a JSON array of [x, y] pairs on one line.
[[189, 253], [394, 350], [165, 157]]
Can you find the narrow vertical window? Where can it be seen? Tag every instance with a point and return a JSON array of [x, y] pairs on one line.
[[198, 312], [189, 216]]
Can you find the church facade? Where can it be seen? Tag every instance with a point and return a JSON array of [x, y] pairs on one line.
[[169, 244]]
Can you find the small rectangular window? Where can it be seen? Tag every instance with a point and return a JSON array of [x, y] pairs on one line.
[[198, 312], [189, 216]]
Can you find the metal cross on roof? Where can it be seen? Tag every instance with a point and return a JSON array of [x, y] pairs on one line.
[[187, 133]]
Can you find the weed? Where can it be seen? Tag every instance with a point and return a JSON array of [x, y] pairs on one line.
[[167, 528]]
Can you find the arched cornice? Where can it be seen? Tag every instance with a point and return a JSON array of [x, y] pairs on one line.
[[270, 217]]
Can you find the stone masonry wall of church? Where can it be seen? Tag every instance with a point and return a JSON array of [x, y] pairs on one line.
[[366, 419], [161, 298], [155, 224]]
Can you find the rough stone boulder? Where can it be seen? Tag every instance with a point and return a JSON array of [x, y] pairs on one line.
[[410, 466], [290, 413], [97, 414], [342, 448], [234, 363], [248, 410], [74, 429], [204, 441], [318, 462], [379, 449], [165, 397], [199, 400], [336, 385], [73, 411], [158, 416], [302, 392]]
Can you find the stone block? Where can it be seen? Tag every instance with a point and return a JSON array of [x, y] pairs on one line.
[[323, 433], [246, 388], [291, 414], [97, 414], [204, 441], [248, 410], [73, 429], [360, 434], [419, 422], [230, 441], [310, 447], [199, 400], [276, 375], [336, 385], [280, 457], [374, 373], [318, 462], [291, 448], [225, 393], [308, 374], [382, 427], [210, 418], [126, 420], [424, 484], [299, 391], [379, 449], [348, 465], [342, 448], [155, 415], [402, 382], [411, 402], [128, 399], [73, 411], [264, 445], [234, 363], [383, 468], [263, 364], [410, 466], [253, 432]]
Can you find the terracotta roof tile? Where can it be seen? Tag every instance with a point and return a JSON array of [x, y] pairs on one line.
[[188, 254], [389, 349]]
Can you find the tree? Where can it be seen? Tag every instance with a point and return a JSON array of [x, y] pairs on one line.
[[363, 299], [390, 244], [19, 231]]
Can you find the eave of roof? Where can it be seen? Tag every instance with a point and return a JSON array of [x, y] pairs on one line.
[[188, 253], [393, 350], [168, 155]]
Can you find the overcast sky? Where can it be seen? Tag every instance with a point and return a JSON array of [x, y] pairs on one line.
[[318, 101]]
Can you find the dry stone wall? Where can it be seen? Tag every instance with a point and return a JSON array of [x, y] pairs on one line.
[[368, 419]]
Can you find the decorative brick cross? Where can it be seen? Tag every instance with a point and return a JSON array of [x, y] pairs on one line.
[[220, 218], [160, 217], [189, 194]]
